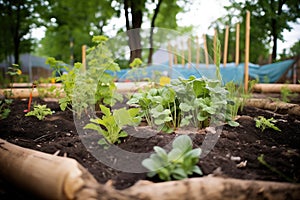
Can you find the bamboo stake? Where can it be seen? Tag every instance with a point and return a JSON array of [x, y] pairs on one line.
[[215, 46], [182, 55], [189, 53], [205, 50], [83, 49], [237, 45], [247, 46], [197, 52], [175, 55], [225, 46]]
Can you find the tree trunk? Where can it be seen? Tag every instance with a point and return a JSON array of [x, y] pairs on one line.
[[16, 36], [133, 29], [156, 11]]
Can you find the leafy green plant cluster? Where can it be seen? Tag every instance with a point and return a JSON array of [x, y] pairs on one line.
[[196, 102], [84, 88], [237, 97], [286, 94], [263, 123], [40, 112], [5, 108], [113, 123], [178, 164]]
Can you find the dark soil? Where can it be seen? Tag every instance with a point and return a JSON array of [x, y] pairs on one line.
[[58, 133]]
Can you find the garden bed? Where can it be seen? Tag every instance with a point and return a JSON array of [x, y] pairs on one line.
[[245, 143]]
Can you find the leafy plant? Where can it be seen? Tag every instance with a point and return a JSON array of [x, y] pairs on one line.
[[179, 163], [263, 123], [198, 102], [286, 94], [5, 108], [273, 169], [85, 88], [40, 112], [113, 123]]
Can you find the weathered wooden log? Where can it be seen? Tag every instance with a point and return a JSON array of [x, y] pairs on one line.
[[20, 92], [53, 177], [44, 175], [275, 88], [276, 106]]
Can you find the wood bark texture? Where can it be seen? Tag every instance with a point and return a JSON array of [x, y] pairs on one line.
[[52, 177]]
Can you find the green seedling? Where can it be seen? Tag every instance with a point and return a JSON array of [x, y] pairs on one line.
[[286, 94], [273, 169], [40, 112], [113, 123], [263, 123], [5, 108], [178, 164]]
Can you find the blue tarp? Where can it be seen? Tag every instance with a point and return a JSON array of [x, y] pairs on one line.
[[269, 73]]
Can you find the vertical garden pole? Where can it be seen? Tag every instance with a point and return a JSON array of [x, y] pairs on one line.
[[83, 60], [175, 55], [225, 46], [237, 44], [215, 46], [247, 43], [189, 52], [197, 52], [182, 55]]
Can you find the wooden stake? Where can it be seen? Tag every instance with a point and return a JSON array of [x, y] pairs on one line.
[[215, 46], [189, 52], [197, 52], [247, 46], [205, 50], [237, 44], [175, 55], [225, 46], [83, 49]]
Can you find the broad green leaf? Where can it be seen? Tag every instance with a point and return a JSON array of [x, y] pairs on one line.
[[179, 174], [195, 153], [175, 155], [185, 107], [233, 123], [161, 153], [183, 142], [201, 118], [93, 127], [151, 165], [105, 110], [197, 170]]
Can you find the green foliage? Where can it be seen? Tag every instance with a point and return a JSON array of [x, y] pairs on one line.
[[85, 88], [5, 108], [16, 20], [113, 123], [286, 94], [178, 164], [40, 112], [237, 97], [295, 49], [273, 169], [263, 123], [70, 21], [198, 102]]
